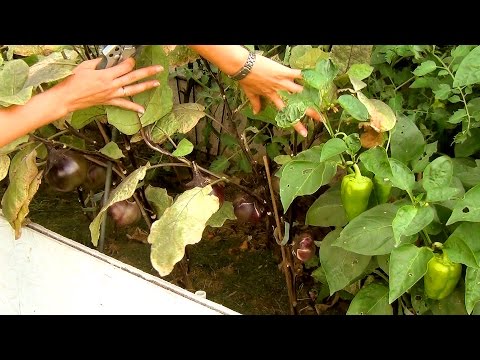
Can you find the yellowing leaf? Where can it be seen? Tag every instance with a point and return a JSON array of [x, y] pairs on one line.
[[122, 192], [382, 117], [180, 225], [4, 164]]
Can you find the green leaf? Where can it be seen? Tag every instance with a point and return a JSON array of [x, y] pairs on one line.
[[228, 140], [467, 170], [376, 161], [420, 302], [354, 107], [123, 191], [332, 147], [82, 118], [457, 116], [424, 68], [371, 300], [470, 146], [344, 56], [6, 149], [341, 266], [408, 264], [384, 262], [467, 208], [112, 151], [304, 178], [13, 76], [454, 99], [454, 304], [327, 210], [181, 224], [20, 98], [438, 176], [290, 114], [267, 114], [468, 72], [407, 141], [244, 164], [159, 199], [182, 119], [225, 212], [425, 82], [305, 56], [462, 246], [125, 121], [472, 288], [184, 148], [4, 165], [158, 101], [24, 182], [357, 84], [410, 220], [382, 117], [418, 165], [353, 143], [370, 233], [360, 71], [442, 92], [402, 176], [220, 164], [51, 68]]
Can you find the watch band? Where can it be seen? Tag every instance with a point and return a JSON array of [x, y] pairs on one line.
[[245, 70]]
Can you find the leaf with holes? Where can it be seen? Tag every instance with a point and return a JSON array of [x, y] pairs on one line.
[[467, 208], [341, 266], [462, 246], [123, 191], [181, 224], [304, 178], [408, 264], [419, 164], [371, 300]]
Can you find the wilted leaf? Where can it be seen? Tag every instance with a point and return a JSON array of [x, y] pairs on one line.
[[341, 266], [4, 165], [112, 151], [159, 199], [225, 212], [408, 264], [382, 117], [158, 101], [180, 55], [51, 68], [371, 138], [184, 148], [180, 225], [123, 191], [181, 120], [327, 210], [345, 56], [24, 182], [371, 300]]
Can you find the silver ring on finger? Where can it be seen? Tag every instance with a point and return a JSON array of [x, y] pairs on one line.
[[124, 91]]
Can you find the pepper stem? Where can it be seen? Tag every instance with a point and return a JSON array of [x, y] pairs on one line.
[[358, 174]]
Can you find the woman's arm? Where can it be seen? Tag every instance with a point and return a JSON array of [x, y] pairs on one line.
[[266, 77], [86, 87]]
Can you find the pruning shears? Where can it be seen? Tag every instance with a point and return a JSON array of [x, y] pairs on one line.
[[114, 54]]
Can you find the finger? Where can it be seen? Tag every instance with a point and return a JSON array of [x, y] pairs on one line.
[[88, 64], [138, 75], [255, 101], [126, 104], [292, 87], [315, 115], [277, 101], [299, 128], [122, 68], [138, 88], [295, 73]]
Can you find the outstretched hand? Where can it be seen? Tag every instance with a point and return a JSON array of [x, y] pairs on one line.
[[89, 87], [266, 78]]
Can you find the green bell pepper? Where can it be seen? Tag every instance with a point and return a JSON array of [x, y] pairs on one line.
[[441, 277], [355, 192]]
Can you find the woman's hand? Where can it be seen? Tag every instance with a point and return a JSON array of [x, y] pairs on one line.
[[266, 78], [113, 86]]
